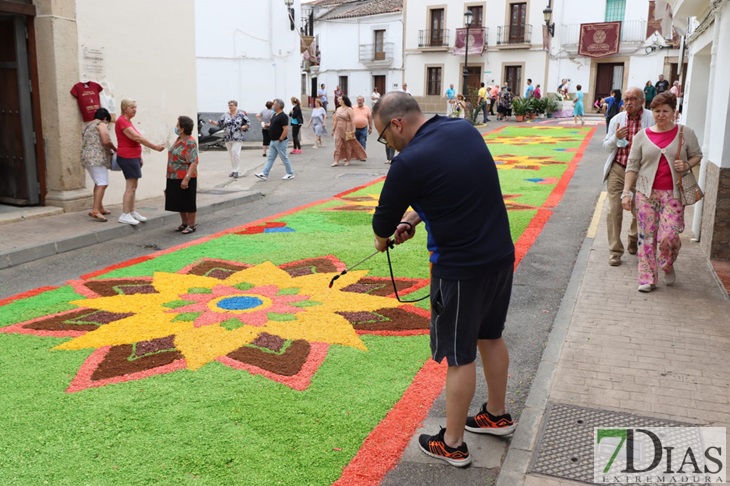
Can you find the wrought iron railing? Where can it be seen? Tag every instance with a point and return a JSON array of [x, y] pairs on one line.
[[376, 52], [433, 38], [514, 34]]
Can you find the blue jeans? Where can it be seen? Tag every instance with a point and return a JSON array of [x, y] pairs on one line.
[[361, 134], [484, 112], [278, 148]]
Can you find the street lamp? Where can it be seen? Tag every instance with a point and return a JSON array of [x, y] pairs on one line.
[[548, 14], [290, 9], [468, 17]]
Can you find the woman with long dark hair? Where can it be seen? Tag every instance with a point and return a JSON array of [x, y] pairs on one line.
[[296, 120]]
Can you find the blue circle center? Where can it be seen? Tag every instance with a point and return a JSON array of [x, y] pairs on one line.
[[242, 302]]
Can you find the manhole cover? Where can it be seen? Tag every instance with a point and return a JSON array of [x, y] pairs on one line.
[[565, 445]]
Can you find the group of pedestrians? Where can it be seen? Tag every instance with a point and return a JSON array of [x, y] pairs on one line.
[[99, 154], [648, 153]]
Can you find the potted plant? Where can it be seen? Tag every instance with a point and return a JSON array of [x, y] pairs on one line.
[[520, 107], [533, 107], [551, 105]]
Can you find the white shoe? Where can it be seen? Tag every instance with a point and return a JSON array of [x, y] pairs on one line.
[[646, 288], [138, 216], [288, 177], [261, 176], [670, 277], [127, 218]]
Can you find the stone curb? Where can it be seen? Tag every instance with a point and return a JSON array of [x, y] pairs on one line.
[[109, 232]]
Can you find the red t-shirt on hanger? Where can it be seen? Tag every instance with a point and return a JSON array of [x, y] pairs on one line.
[[87, 96]]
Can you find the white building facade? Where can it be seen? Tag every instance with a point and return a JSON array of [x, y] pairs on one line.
[[247, 51], [505, 45], [134, 50], [360, 47], [706, 109], [641, 57]]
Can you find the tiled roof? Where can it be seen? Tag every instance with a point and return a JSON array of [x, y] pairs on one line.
[[358, 8]]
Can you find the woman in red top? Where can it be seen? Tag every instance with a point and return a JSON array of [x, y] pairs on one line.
[[129, 157], [182, 175]]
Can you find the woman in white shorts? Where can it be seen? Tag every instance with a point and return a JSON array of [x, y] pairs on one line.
[[96, 153]]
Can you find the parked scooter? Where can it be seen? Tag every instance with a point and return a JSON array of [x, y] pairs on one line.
[[214, 138]]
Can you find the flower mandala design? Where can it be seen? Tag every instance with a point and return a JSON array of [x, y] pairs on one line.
[[274, 321]]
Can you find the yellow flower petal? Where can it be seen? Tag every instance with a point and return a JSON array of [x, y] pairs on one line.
[[202, 345], [265, 273], [318, 327], [140, 327], [180, 283], [127, 303]]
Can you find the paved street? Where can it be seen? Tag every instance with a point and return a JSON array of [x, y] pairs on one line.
[[579, 332]]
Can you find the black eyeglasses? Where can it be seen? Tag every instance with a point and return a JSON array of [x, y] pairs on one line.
[[633, 98], [381, 137]]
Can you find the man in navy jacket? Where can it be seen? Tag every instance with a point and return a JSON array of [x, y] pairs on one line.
[[445, 172]]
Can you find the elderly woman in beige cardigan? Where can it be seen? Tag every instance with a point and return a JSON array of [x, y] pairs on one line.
[[654, 162]]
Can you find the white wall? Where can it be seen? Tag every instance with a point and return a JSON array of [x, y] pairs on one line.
[[147, 50], [340, 41], [245, 51]]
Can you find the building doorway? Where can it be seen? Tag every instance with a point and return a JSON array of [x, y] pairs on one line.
[[609, 76], [513, 78], [19, 166], [379, 82], [313, 92]]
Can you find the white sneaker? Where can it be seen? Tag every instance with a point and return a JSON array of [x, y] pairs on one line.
[[127, 218], [138, 216], [287, 177], [261, 176], [646, 287], [670, 277]]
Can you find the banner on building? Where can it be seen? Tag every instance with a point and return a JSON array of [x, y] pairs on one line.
[[546, 38], [660, 22], [309, 48], [599, 39], [476, 41]]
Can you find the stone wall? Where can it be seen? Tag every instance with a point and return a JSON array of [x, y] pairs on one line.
[[432, 104], [715, 239]]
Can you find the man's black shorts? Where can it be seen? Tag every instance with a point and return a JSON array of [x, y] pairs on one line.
[[463, 311]]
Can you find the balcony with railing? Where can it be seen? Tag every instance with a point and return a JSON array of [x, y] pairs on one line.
[[377, 54], [632, 32], [515, 35], [437, 39]]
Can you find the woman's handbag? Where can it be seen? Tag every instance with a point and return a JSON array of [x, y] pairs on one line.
[[689, 190], [349, 136], [115, 164]]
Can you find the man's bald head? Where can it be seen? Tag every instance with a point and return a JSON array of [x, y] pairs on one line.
[[634, 100], [396, 105]]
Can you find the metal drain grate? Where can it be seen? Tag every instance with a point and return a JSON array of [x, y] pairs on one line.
[[564, 447]]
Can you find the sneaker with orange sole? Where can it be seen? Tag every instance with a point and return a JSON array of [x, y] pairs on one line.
[[435, 446], [486, 423]]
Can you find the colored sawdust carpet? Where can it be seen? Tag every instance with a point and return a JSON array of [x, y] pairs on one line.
[[230, 360]]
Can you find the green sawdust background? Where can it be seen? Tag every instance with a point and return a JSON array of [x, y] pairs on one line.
[[219, 425]]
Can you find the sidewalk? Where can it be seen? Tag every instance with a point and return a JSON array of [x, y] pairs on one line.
[[38, 232], [656, 357]]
